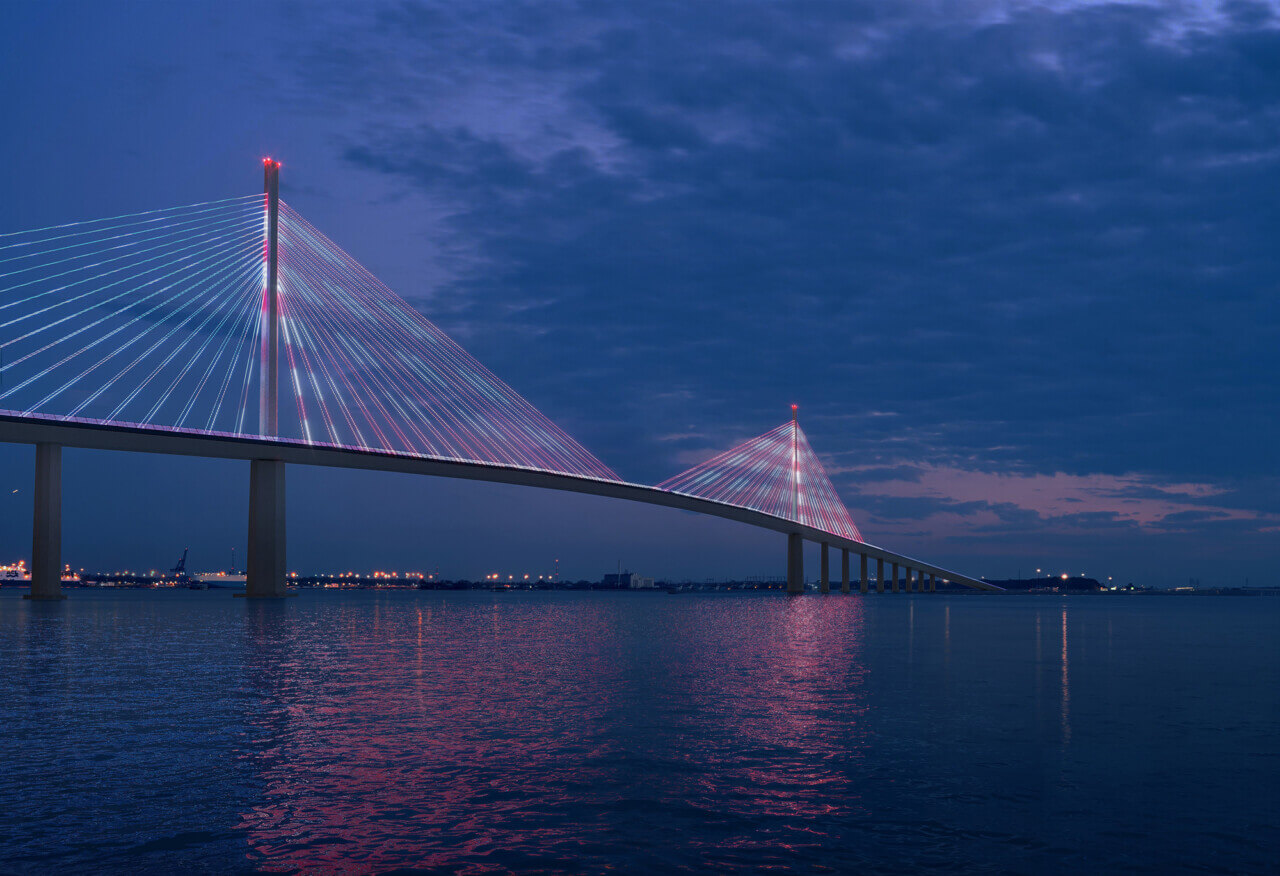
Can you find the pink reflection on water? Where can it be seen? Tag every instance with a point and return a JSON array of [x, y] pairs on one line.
[[392, 746], [1066, 683], [494, 733]]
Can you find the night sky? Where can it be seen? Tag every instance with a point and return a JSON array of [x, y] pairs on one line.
[[1017, 263]]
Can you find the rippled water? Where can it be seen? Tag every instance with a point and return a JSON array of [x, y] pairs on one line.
[[469, 732]]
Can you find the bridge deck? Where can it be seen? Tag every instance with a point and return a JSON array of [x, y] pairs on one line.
[[100, 436]]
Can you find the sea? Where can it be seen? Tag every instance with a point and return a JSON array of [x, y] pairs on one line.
[[551, 732]]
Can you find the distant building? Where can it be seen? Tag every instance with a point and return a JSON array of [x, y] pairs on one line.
[[628, 580]]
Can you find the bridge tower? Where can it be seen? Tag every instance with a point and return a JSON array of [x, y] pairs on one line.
[[795, 542], [265, 569]]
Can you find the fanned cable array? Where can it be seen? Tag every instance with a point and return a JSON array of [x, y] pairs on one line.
[[157, 320], [367, 370], [146, 319], [777, 473]]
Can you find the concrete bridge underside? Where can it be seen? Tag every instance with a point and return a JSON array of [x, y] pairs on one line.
[[268, 457]]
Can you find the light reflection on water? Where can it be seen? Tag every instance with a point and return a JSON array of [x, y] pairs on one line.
[[497, 729], [1066, 683], [363, 732]]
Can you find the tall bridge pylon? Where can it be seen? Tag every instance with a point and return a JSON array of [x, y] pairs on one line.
[[266, 572]]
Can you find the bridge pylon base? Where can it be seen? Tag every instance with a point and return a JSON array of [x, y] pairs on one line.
[[795, 563], [265, 573], [46, 525]]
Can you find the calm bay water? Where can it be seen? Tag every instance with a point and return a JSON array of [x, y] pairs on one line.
[[469, 732]]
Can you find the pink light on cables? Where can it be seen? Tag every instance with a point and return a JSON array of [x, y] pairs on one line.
[[380, 376], [776, 473]]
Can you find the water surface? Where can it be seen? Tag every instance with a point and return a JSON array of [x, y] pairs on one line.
[[477, 732]]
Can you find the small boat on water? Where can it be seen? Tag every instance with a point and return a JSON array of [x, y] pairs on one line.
[[219, 580], [222, 580]]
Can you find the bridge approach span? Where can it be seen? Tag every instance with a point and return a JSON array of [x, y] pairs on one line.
[[99, 436]]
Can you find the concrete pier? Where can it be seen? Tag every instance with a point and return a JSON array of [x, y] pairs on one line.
[[824, 582], [879, 575], [933, 586], [265, 571], [46, 525], [795, 563], [863, 580], [909, 581], [844, 570], [895, 578]]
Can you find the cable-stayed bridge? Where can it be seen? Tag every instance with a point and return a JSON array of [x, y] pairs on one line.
[[236, 329]]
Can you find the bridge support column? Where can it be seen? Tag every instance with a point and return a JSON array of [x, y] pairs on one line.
[[895, 578], [265, 571], [879, 575], [863, 581], [908, 580], [825, 581], [795, 563], [46, 525], [844, 570], [933, 584]]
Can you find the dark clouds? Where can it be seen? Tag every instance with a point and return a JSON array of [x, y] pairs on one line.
[[1040, 237]]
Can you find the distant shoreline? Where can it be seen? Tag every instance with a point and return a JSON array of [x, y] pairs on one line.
[[98, 581]]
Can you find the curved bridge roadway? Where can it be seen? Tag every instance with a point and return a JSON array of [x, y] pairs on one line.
[[100, 436]]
